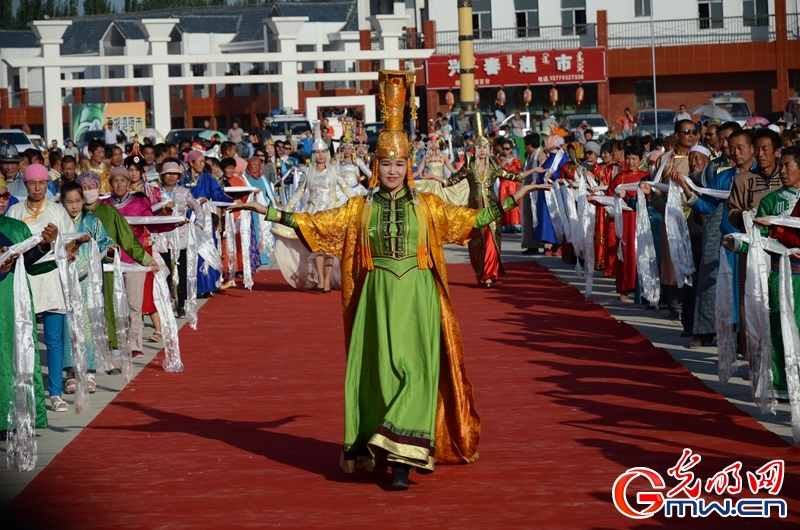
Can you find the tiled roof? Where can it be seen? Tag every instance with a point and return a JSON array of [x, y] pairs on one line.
[[246, 21], [129, 29], [18, 39]]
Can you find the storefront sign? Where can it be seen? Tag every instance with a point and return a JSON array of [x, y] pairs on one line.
[[552, 67], [127, 117]]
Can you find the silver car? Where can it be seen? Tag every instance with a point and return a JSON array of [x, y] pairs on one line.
[[646, 123], [597, 124], [17, 138]]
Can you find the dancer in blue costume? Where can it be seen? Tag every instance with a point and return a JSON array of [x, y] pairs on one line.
[[204, 188], [544, 231], [256, 178]]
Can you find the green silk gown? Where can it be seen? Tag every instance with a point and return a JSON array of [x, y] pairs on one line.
[[393, 363], [17, 232], [779, 202]]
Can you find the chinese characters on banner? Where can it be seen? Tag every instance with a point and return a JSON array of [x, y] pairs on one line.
[[129, 118], [582, 65], [127, 124]]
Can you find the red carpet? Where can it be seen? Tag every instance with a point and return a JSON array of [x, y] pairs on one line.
[[249, 435]]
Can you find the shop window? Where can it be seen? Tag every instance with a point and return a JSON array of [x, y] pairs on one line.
[[643, 91], [573, 17], [756, 12], [641, 8], [482, 19], [710, 12], [527, 14]]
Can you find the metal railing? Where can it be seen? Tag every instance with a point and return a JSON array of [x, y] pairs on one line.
[[692, 31], [793, 26], [521, 39], [409, 41], [412, 41]]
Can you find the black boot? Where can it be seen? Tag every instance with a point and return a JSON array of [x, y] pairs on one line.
[[400, 476]]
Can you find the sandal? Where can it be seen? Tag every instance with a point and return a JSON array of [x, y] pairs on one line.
[[70, 386], [91, 386], [58, 404], [156, 337]]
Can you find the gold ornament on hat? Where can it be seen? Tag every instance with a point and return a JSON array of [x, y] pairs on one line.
[[480, 129], [393, 87]]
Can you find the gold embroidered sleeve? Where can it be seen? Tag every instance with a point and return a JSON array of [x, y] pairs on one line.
[[454, 223], [508, 175], [456, 177], [323, 231]]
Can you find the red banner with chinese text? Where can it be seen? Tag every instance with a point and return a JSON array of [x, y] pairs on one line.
[[549, 67]]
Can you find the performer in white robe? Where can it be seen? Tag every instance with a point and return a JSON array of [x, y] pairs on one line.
[[319, 190]]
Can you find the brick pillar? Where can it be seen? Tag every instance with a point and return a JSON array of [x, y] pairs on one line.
[[319, 84], [783, 91], [130, 93], [365, 43], [429, 30], [77, 94], [412, 38], [603, 89], [188, 98]]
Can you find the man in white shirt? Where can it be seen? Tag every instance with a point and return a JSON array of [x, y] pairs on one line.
[[682, 114], [547, 123], [517, 125], [48, 298], [112, 133], [235, 133]]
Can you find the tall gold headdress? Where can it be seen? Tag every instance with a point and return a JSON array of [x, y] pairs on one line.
[[480, 129], [393, 89]]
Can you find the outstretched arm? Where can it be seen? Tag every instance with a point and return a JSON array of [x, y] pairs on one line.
[[459, 221], [322, 232]]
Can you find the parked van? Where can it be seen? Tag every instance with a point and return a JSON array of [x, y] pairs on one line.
[[296, 124], [792, 112], [734, 103]]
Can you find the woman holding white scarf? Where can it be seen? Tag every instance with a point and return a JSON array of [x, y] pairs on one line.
[[782, 202], [181, 201], [12, 232], [85, 222], [48, 298]]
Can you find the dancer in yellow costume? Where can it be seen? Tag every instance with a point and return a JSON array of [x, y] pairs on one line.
[[407, 397]]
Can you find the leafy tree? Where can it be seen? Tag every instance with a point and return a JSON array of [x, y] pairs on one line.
[[97, 7], [6, 15]]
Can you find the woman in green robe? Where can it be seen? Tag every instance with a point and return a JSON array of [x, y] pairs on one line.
[[12, 232], [120, 233], [407, 398]]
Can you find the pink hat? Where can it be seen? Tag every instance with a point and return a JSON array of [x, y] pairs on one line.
[[120, 171], [171, 167], [553, 143], [35, 172], [241, 167], [193, 155], [655, 155]]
